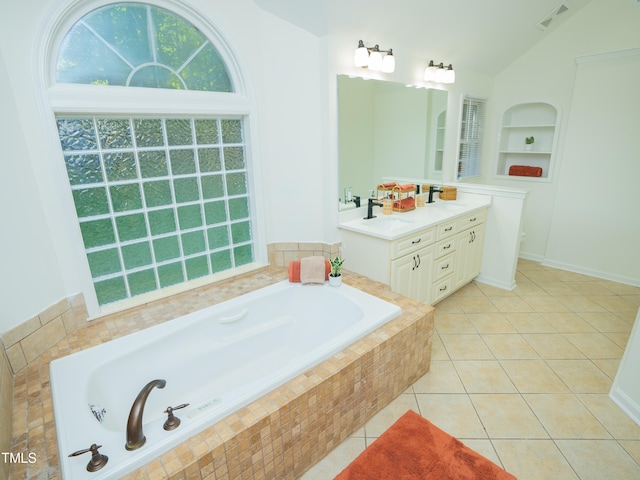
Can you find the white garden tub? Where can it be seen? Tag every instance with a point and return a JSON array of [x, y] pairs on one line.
[[217, 360]]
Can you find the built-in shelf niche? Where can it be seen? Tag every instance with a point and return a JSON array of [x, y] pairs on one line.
[[534, 119]]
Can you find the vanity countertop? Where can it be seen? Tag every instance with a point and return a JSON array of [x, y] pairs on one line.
[[398, 225]]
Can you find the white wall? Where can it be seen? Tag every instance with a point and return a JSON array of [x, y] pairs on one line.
[[595, 227], [30, 270], [547, 73]]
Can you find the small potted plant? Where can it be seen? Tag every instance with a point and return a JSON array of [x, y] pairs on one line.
[[335, 277], [528, 143]]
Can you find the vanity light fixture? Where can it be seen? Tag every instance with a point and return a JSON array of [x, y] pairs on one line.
[[373, 59], [439, 73]]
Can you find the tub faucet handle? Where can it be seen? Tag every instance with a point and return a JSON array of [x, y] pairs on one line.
[[97, 459], [173, 422]]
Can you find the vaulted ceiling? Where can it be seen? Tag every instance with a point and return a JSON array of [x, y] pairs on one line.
[[484, 36]]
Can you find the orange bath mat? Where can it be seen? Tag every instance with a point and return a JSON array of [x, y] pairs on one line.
[[415, 449]]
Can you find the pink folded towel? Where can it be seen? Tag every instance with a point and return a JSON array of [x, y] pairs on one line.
[[312, 270]]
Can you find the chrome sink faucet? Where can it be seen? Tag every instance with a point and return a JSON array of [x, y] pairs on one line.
[[135, 436], [370, 206]]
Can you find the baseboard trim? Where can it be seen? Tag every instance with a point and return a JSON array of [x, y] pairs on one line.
[[591, 272], [495, 283], [626, 403]]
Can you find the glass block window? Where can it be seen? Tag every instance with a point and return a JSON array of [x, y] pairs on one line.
[[160, 201], [138, 45]]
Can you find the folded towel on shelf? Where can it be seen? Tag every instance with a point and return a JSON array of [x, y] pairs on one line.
[[408, 203], [294, 270], [525, 171], [405, 187], [388, 185]]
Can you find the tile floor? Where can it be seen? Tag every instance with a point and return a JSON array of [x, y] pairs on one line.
[[523, 378]]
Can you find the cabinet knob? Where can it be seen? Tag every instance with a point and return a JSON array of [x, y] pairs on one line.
[[413, 242], [444, 267], [443, 288]]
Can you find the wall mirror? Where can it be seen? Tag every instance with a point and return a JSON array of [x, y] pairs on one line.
[[387, 130]]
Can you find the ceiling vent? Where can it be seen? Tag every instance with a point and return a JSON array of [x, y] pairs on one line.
[[552, 16]]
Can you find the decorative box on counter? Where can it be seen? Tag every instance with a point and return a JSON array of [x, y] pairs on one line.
[[385, 190], [448, 193]]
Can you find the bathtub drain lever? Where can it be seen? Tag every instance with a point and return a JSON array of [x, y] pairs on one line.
[[172, 421], [97, 459]]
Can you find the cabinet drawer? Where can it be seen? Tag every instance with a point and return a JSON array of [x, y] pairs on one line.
[[443, 267], [447, 229], [441, 289], [446, 246], [472, 219], [413, 242]]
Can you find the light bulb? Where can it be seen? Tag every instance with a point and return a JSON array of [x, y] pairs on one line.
[[375, 60], [361, 56], [388, 63]]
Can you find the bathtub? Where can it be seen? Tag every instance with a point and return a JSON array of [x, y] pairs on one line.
[[217, 360]]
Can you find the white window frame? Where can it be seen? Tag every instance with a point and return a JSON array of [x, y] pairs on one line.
[[473, 168], [97, 100]]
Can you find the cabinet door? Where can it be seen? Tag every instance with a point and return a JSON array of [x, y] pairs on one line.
[[469, 255], [411, 274]]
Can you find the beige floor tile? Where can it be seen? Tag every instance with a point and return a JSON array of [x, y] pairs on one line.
[[547, 304], [541, 276], [470, 290], [558, 288], [608, 365], [511, 346], [552, 346], [484, 448], [632, 447], [606, 322], [438, 351], [533, 459], [590, 288], [452, 413], [567, 276], [507, 416], [441, 378], [619, 288], [581, 376], [581, 303], [491, 291], [595, 345], [466, 347], [530, 322], [483, 376], [567, 322], [389, 414], [564, 416], [339, 458], [490, 323], [453, 323], [599, 459], [533, 376], [615, 303], [448, 305], [511, 304], [618, 423], [475, 304], [618, 338], [526, 288]]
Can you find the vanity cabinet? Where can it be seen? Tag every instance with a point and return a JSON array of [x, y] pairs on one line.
[[411, 274], [427, 265]]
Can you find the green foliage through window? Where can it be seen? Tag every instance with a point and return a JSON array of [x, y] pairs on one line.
[[138, 45]]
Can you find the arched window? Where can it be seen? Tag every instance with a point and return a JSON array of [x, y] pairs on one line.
[[160, 181]]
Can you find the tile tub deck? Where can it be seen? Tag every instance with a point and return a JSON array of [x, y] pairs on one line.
[[278, 436]]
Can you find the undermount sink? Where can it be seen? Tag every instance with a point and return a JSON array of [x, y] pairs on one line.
[[448, 206], [387, 224]]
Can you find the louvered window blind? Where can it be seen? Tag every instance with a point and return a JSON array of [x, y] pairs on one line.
[[471, 133]]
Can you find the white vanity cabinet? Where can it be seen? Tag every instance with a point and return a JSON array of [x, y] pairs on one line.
[[411, 265], [470, 242], [426, 264]]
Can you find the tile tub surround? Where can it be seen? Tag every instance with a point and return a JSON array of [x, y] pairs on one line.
[[280, 435]]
